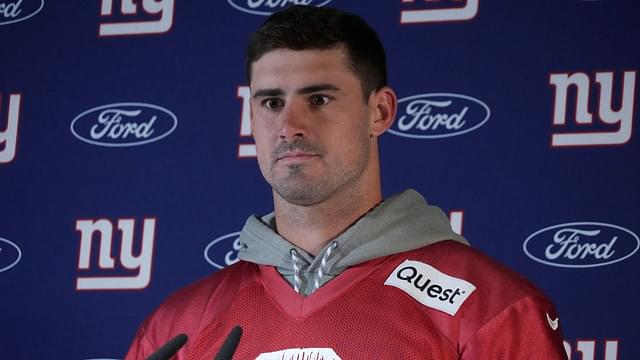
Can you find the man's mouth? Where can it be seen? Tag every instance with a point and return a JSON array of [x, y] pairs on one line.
[[296, 156]]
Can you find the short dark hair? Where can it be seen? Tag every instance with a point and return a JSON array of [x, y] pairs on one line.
[[302, 27]]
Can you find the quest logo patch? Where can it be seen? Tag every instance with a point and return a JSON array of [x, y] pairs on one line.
[[581, 244], [268, 7], [124, 124], [10, 254], [430, 287], [439, 115], [19, 10], [223, 251]]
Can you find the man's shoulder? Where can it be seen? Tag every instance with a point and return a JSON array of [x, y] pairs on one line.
[[195, 305], [199, 294], [230, 278], [463, 261], [494, 287], [496, 291]]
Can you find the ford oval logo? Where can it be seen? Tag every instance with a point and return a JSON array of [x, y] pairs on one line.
[[19, 10], [581, 244], [10, 254], [268, 7], [439, 115], [124, 124], [223, 251]]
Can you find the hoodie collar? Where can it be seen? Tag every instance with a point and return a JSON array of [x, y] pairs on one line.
[[401, 223]]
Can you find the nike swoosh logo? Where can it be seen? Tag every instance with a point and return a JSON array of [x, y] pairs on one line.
[[553, 323]]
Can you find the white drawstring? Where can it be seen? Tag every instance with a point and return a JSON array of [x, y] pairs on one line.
[[296, 270], [297, 280], [323, 265]]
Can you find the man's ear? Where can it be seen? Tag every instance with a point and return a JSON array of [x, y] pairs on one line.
[[384, 103]]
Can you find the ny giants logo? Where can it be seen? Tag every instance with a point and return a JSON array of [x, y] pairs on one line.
[[456, 218], [9, 136], [120, 275], [587, 349], [615, 126], [19, 10], [268, 7], [440, 115], [10, 254], [161, 10], [124, 124], [581, 245], [245, 150], [429, 11]]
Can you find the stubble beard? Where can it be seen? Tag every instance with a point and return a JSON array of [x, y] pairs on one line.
[[298, 188]]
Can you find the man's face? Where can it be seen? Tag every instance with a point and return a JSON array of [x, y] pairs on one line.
[[310, 124]]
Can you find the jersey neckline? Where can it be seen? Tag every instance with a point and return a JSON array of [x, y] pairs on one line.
[[299, 307]]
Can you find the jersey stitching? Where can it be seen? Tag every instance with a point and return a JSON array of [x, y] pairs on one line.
[[147, 339], [494, 318]]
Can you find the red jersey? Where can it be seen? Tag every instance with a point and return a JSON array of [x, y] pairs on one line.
[[442, 301]]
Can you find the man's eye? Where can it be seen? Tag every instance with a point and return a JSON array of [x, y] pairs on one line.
[[319, 100], [273, 103]]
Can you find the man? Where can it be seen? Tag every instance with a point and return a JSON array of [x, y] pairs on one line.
[[336, 272]]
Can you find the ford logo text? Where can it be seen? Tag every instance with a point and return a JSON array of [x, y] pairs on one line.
[[223, 251], [124, 124], [268, 7], [439, 115], [10, 254], [581, 244], [18, 10]]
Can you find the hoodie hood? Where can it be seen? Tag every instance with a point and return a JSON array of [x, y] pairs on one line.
[[401, 223]]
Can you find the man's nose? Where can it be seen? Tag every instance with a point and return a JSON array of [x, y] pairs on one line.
[[293, 121]]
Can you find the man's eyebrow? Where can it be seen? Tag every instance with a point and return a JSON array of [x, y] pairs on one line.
[[302, 91], [317, 87], [268, 92]]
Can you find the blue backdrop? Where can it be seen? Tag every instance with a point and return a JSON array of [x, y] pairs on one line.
[[126, 163]]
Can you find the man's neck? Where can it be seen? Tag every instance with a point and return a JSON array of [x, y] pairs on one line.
[[312, 227]]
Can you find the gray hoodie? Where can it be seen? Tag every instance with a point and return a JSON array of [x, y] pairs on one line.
[[401, 223]]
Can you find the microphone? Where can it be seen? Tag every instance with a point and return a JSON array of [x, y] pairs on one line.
[[166, 351], [230, 344]]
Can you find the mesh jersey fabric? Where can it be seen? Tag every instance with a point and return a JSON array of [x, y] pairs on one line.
[[357, 316]]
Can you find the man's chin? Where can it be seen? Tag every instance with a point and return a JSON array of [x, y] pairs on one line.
[[300, 195]]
